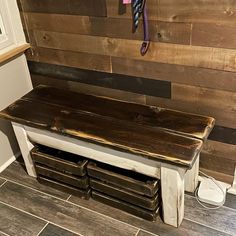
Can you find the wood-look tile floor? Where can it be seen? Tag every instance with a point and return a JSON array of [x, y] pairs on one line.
[[28, 208]]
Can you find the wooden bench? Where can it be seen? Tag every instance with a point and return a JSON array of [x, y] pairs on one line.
[[157, 142]]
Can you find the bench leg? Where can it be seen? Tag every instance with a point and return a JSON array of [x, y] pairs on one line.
[[25, 147], [191, 177], [172, 192]]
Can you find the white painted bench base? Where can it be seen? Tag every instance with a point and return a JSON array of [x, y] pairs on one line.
[[174, 180]]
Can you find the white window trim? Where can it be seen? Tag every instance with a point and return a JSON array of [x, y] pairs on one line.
[[10, 22]]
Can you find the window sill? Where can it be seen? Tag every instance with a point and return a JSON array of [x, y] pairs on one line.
[[13, 52]]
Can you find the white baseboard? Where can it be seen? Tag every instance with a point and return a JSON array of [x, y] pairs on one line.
[[7, 163]]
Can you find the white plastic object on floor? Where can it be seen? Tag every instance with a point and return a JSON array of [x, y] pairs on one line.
[[211, 192]]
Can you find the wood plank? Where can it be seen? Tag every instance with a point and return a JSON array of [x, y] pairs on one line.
[[81, 183], [188, 124], [129, 180], [197, 11], [218, 163], [16, 173], [144, 233], [72, 7], [211, 98], [220, 149], [85, 194], [72, 59], [117, 10], [197, 56], [56, 231], [214, 35], [224, 135], [109, 27], [125, 195], [223, 219], [74, 218], [124, 206], [219, 176], [88, 89], [215, 79], [15, 222], [108, 80], [226, 118], [181, 149], [187, 227]]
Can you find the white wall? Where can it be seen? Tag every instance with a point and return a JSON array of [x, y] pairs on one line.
[[15, 79], [14, 83]]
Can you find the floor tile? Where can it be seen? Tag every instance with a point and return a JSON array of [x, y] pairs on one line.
[[52, 230], [15, 222], [187, 227], [16, 172], [62, 213], [222, 219]]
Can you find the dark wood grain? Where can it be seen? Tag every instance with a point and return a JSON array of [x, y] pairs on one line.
[[187, 124], [58, 160], [124, 206], [196, 76], [15, 222], [107, 80], [55, 231], [126, 196], [166, 146], [73, 7], [79, 182], [74, 218], [16, 172], [82, 193], [224, 134], [121, 178]]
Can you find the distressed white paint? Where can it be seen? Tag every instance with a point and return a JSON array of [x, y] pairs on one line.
[[172, 177], [25, 147], [95, 152], [191, 177], [172, 192]]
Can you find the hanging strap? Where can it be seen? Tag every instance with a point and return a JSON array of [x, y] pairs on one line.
[[139, 8], [146, 41]]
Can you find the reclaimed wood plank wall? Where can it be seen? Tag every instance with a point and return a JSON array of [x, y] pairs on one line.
[[88, 46]]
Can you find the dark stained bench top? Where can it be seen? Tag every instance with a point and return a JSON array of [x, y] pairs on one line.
[[156, 133]]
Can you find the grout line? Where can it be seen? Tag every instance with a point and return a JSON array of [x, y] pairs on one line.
[[3, 183], [146, 231], [43, 229], [4, 233], [71, 203], [40, 218], [207, 226], [68, 198], [137, 232]]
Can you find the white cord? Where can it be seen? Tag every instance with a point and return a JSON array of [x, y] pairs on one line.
[[218, 185]]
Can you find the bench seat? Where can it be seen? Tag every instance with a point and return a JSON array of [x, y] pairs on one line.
[[153, 132], [158, 142]]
